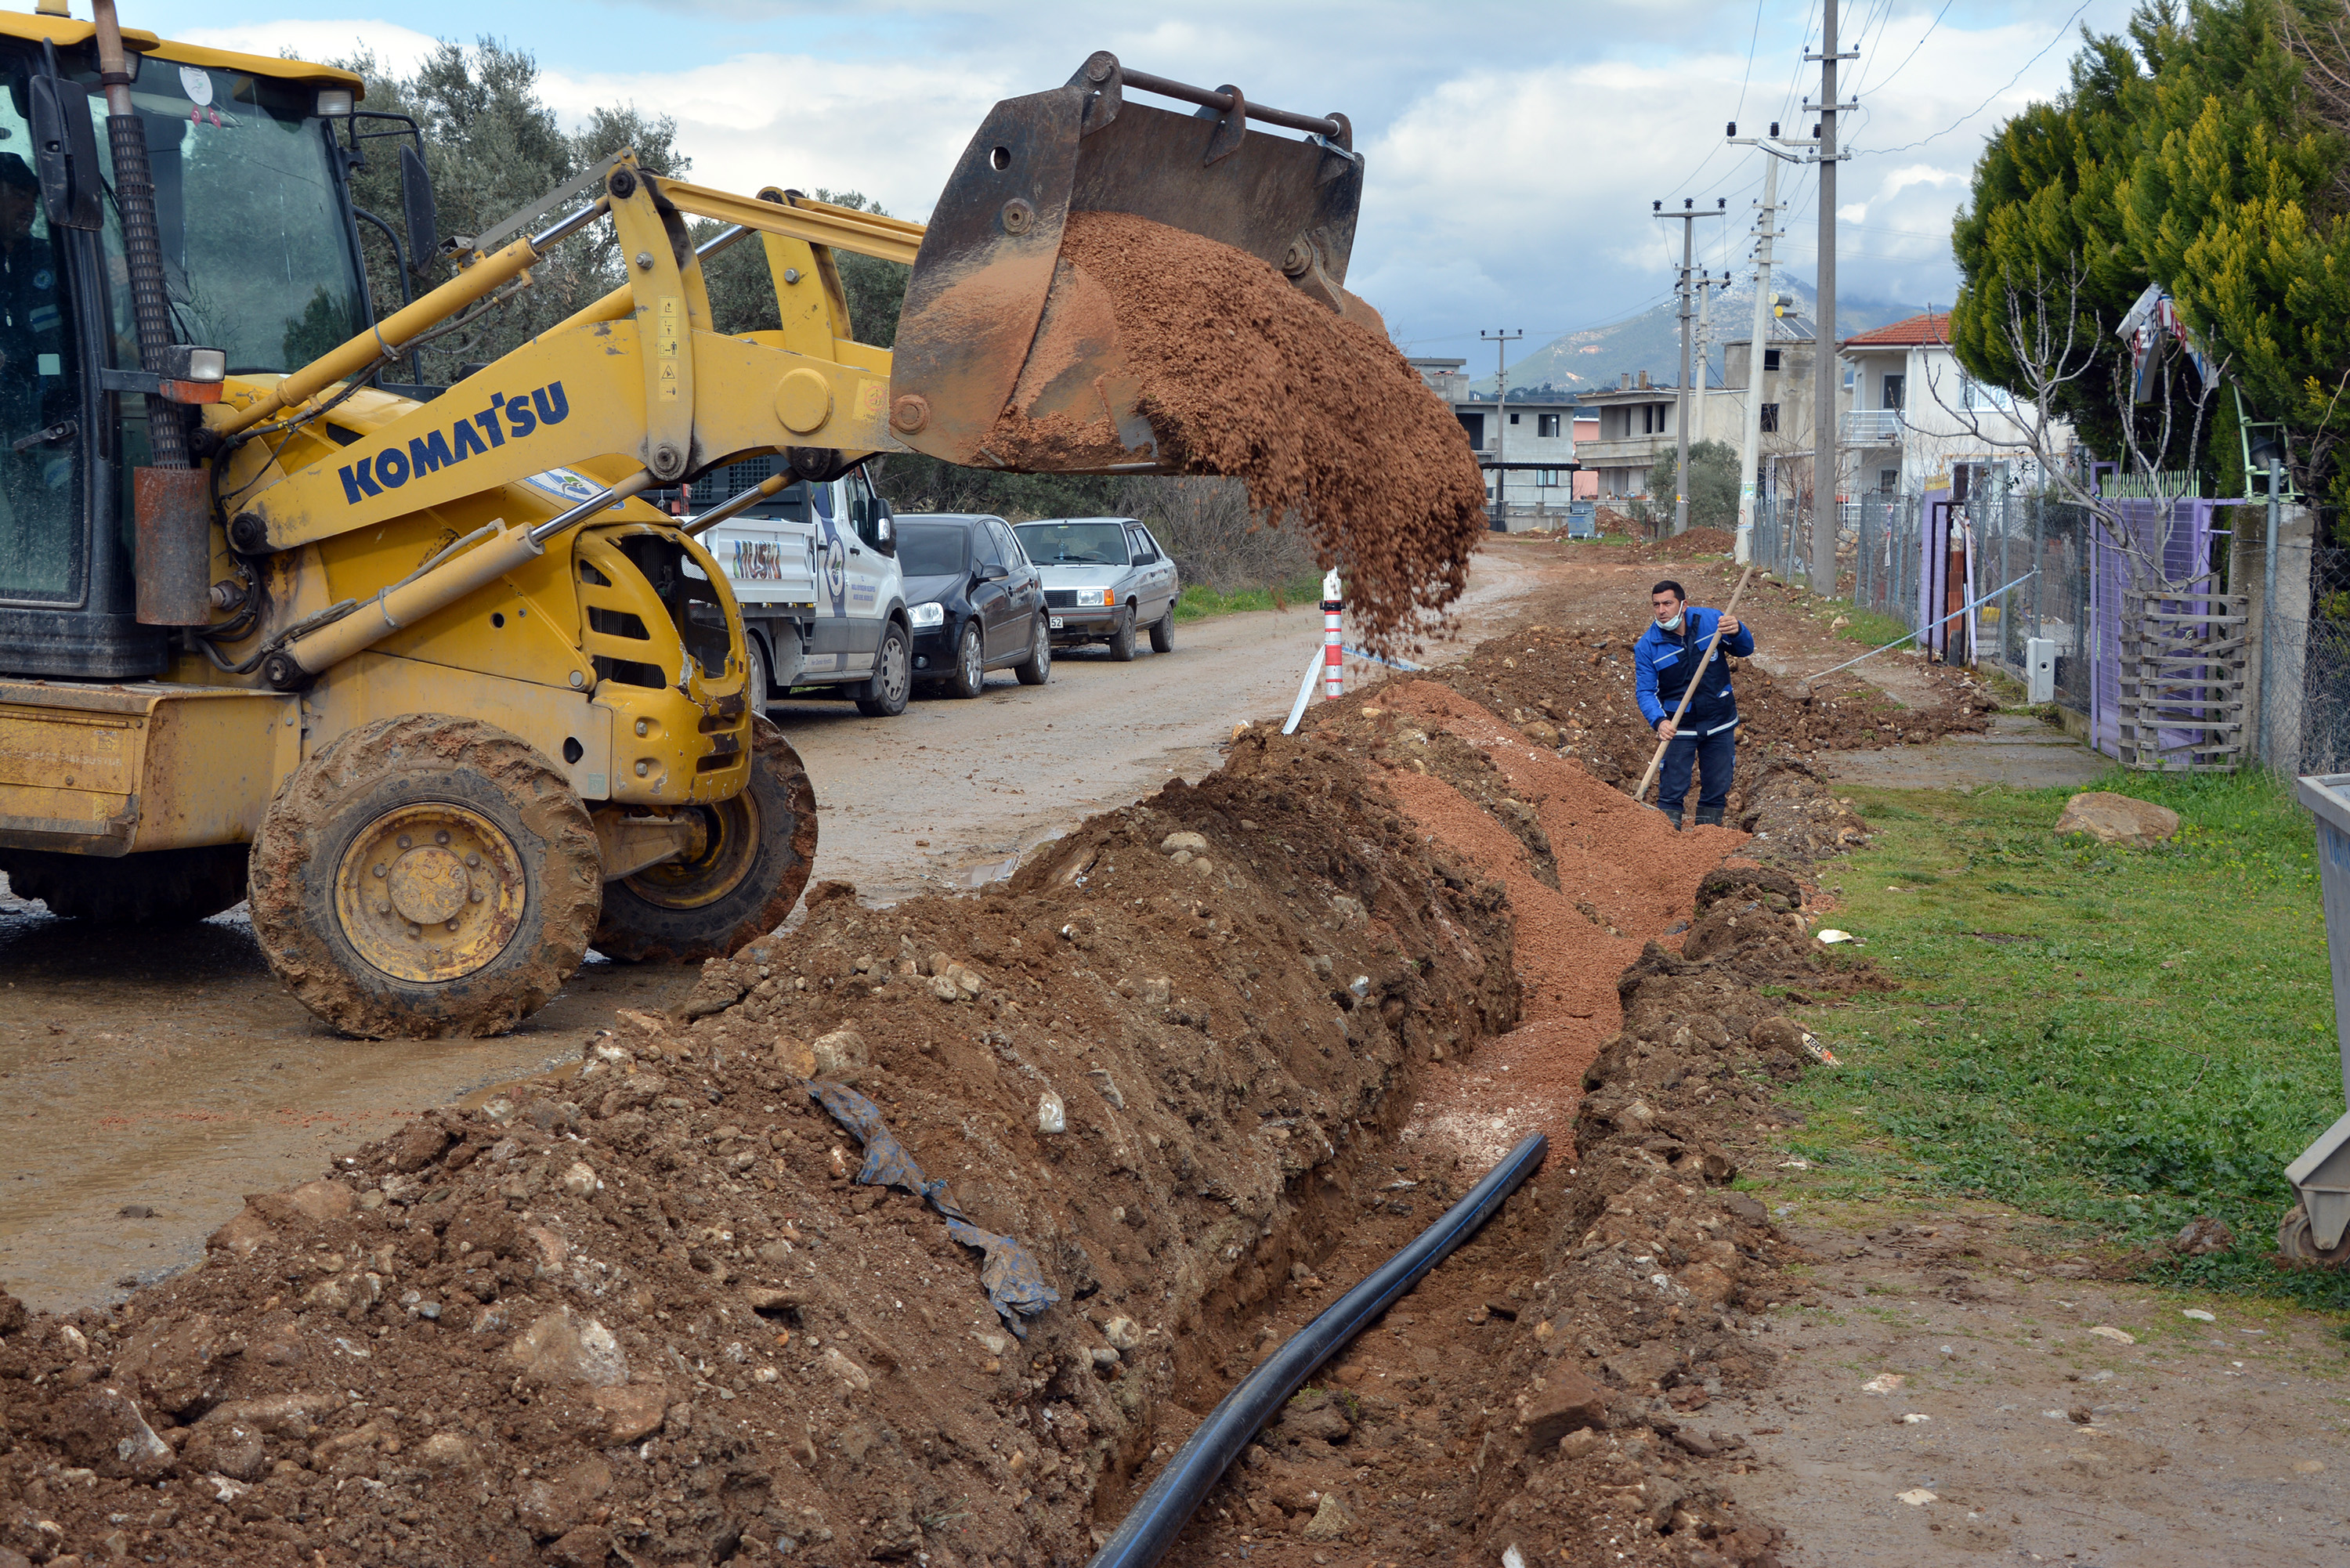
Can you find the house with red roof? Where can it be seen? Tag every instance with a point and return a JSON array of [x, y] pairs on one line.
[[1915, 413]]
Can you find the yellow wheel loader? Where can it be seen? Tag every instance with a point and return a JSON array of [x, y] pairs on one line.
[[419, 672]]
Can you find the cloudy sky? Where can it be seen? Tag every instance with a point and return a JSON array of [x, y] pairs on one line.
[[1513, 149]]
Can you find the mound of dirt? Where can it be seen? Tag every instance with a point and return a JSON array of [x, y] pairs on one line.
[[639, 1312], [1196, 1059], [1243, 375], [1687, 546]]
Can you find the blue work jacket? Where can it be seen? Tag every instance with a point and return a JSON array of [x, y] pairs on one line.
[[1663, 661]]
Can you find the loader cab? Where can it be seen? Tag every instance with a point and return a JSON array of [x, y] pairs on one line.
[[260, 258]]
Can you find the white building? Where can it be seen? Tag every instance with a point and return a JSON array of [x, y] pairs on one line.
[[1536, 434], [1915, 413]]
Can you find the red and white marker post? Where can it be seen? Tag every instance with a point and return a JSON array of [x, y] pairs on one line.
[[1334, 651]]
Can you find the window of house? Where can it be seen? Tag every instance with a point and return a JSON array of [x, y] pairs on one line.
[[1892, 392], [1545, 424], [1770, 416], [1514, 418], [1475, 425], [1546, 478], [1888, 481], [1769, 358], [1850, 373]]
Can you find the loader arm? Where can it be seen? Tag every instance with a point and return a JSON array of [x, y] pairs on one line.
[[639, 376]]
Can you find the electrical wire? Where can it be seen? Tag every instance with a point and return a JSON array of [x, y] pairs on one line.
[[1753, 38], [1911, 146], [1912, 54]]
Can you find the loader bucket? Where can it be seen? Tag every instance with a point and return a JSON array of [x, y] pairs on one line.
[[999, 329]]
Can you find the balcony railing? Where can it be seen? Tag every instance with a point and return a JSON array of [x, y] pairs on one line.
[[1869, 427]]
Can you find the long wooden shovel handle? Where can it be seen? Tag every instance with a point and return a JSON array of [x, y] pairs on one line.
[[1729, 613]]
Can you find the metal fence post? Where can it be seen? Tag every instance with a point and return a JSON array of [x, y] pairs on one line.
[[2038, 559]]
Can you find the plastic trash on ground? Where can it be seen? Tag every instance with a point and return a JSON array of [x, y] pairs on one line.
[[1014, 1281]]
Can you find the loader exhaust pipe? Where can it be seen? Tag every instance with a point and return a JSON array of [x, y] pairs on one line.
[[171, 540]]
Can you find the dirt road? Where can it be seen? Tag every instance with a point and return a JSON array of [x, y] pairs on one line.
[[148, 1081]]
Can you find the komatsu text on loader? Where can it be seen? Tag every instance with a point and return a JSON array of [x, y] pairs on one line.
[[419, 672]]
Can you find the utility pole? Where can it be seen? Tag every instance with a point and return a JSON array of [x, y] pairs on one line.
[[1766, 229], [1705, 287], [1688, 217], [1500, 342], [1823, 456]]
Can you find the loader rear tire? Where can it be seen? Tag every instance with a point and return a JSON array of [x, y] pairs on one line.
[[758, 851], [425, 878], [159, 887]]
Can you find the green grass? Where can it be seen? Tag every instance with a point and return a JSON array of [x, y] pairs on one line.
[[1868, 626], [2154, 1038], [1198, 601]]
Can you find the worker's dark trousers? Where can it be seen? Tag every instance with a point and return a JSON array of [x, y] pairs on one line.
[[1713, 756]]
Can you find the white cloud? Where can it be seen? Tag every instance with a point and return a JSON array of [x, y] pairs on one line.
[[401, 49], [892, 131]]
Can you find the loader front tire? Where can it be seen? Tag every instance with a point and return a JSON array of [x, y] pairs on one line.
[[758, 849], [156, 887], [425, 878]]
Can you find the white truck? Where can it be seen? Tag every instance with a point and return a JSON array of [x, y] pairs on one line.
[[816, 572]]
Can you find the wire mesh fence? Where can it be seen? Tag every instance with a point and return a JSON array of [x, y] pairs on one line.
[[2076, 580]]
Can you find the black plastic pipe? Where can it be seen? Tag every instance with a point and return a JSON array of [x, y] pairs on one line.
[[1153, 1523]]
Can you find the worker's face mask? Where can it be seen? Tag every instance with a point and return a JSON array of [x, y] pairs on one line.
[[1671, 622]]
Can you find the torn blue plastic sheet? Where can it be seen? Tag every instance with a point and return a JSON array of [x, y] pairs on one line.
[[1014, 1279]]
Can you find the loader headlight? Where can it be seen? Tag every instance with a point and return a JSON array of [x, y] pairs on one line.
[[1095, 597], [334, 102], [187, 362], [928, 615]]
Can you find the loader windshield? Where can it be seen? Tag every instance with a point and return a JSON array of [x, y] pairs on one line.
[[259, 251]]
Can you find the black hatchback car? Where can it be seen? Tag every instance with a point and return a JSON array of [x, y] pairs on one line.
[[976, 603]]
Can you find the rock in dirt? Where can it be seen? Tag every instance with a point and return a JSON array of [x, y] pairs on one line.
[[415, 1145], [289, 1415], [1331, 1521], [840, 1055], [2112, 818], [2203, 1235], [1567, 1402], [565, 1347], [445, 1452], [847, 1371], [13, 1315], [632, 1414], [102, 1428]]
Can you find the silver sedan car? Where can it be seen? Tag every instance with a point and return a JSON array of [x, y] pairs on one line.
[[1105, 578]]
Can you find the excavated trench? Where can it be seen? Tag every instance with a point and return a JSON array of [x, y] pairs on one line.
[[1194, 1068]]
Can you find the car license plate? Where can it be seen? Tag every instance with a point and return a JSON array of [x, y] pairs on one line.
[[1056, 623]]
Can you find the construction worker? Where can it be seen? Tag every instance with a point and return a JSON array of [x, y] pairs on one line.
[[1665, 660]]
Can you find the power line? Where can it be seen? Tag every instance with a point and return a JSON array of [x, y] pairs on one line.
[[1753, 38], [2061, 31], [1913, 52]]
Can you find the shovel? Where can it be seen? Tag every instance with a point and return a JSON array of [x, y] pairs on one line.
[[997, 321]]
